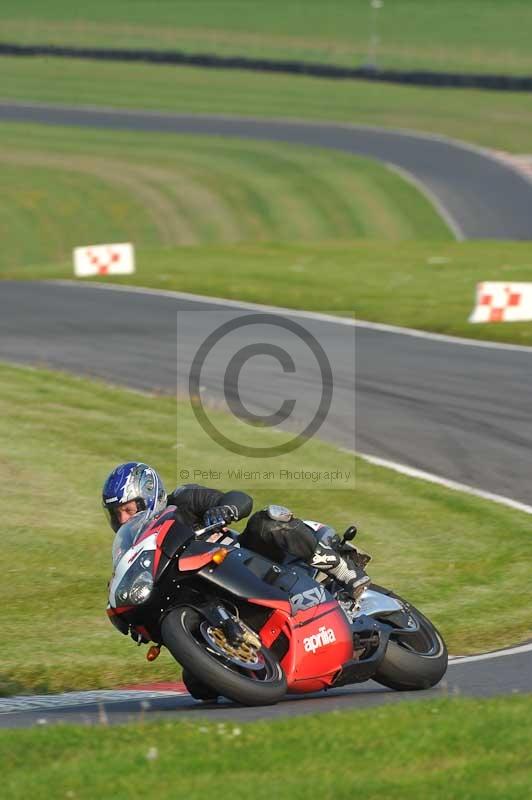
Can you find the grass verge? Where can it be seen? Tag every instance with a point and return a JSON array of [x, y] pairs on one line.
[[424, 285], [477, 36], [462, 560], [502, 120], [446, 750], [64, 187]]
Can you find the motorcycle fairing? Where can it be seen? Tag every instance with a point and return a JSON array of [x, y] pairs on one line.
[[290, 591], [117, 618], [320, 641], [127, 562], [170, 535], [234, 576], [195, 561]]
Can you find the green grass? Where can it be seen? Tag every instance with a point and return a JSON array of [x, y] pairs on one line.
[[448, 750], [63, 187], [493, 119], [425, 285], [61, 436], [479, 35]]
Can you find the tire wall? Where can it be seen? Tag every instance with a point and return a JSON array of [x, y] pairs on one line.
[[510, 83]]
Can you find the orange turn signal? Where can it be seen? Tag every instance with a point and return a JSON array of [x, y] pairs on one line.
[[220, 555], [153, 652]]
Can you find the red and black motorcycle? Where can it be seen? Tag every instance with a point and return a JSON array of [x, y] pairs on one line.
[[252, 630]]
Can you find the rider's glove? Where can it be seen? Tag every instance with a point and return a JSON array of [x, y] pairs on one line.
[[220, 515]]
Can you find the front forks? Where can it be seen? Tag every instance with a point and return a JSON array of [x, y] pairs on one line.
[[235, 631]]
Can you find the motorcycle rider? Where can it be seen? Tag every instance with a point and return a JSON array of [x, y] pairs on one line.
[[273, 532], [134, 487]]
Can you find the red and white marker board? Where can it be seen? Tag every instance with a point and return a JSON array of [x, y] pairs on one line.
[[497, 301], [104, 259]]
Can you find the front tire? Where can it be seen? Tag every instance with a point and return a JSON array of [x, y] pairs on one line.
[[182, 636], [197, 689], [414, 661]]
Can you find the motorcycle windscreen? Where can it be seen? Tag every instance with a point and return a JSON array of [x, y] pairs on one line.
[[128, 533]]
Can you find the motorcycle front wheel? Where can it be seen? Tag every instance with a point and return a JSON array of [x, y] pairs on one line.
[[185, 633], [412, 661]]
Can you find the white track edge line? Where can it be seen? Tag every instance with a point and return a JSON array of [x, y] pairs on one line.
[[509, 651], [294, 312], [24, 703], [413, 472], [404, 469], [431, 197], [28, 703]]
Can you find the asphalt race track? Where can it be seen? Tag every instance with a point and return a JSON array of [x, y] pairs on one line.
[[482, 198], [460, 411], [487, 677]]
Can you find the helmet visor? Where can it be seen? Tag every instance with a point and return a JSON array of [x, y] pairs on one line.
[[115, 519]]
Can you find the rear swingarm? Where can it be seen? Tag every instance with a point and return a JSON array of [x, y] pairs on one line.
[[371, 636]]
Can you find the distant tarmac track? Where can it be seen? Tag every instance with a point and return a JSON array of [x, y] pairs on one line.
[[479, 196]]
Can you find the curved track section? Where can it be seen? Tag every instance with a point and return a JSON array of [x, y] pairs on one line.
[[493, 676], [479, 196], [462, 411]]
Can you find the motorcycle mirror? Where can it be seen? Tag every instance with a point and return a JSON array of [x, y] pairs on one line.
[[350, 533]]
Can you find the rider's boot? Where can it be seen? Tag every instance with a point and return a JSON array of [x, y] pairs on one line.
[[352, 575]]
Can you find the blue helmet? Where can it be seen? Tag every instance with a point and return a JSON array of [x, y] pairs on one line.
[[133, 481]]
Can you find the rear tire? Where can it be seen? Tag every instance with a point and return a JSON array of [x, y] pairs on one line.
[[416, 661], [182, 636]]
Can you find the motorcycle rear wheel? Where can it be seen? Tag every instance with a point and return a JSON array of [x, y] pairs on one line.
[[183, 638], [414, 661]]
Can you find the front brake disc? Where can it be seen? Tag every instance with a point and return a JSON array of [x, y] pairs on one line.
[[242, 654]]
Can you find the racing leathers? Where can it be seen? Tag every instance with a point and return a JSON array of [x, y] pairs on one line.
[[274, 532], [272, 537], [198, 505]]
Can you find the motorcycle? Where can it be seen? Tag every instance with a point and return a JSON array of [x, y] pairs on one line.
[[251, 629]]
